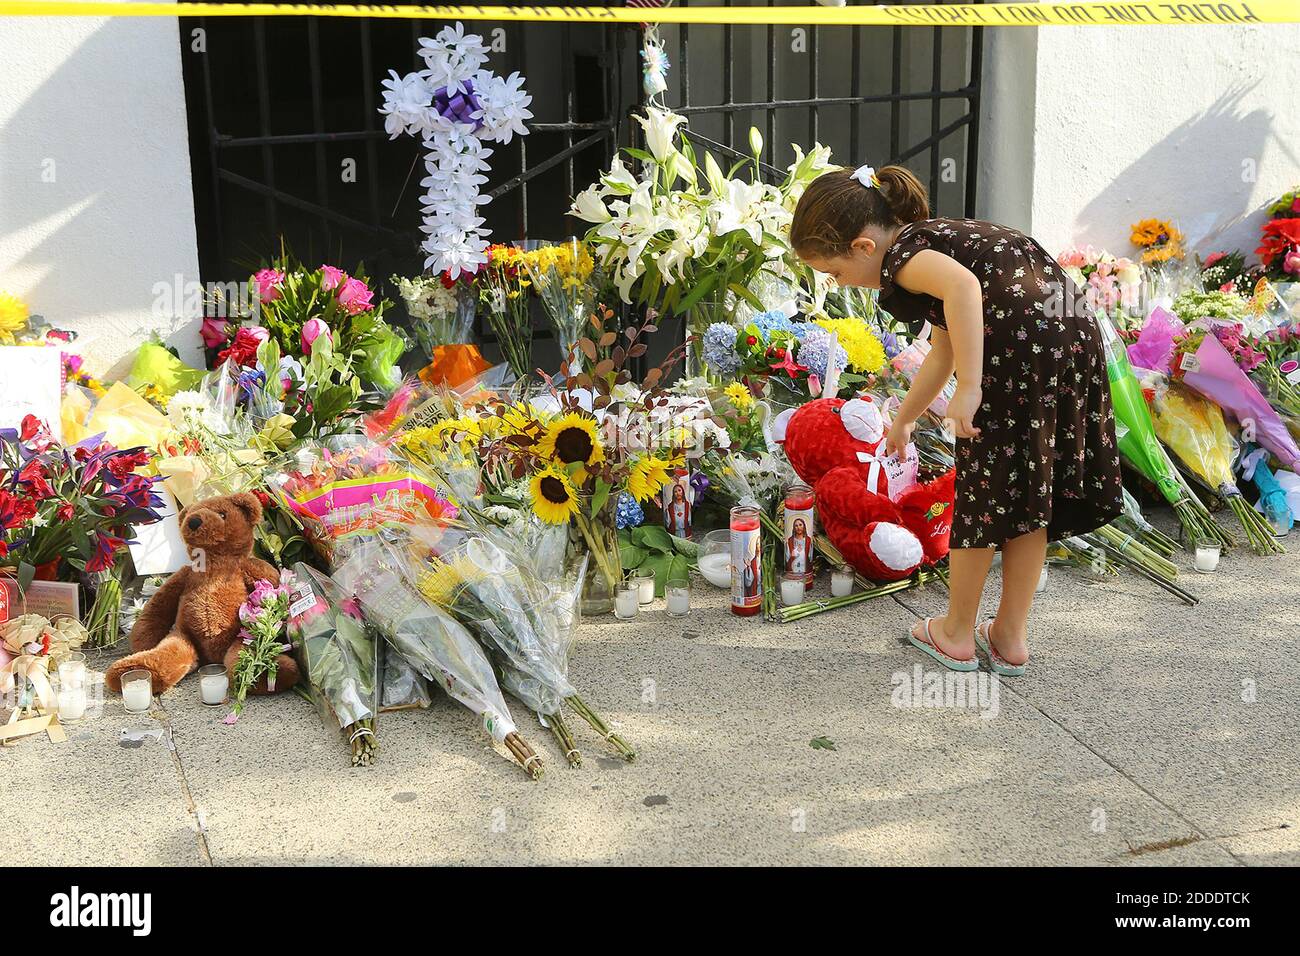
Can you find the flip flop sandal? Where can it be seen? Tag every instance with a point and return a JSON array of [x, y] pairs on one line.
[[996, 663], [929, 647]]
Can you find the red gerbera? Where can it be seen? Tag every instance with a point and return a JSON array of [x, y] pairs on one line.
[[1279, 236]]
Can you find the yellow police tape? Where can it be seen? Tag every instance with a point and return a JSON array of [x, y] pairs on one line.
[[973, 15]]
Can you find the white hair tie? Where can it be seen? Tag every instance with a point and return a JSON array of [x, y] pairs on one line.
[[866, 175]]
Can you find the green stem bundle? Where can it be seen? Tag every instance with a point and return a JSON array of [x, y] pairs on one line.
[[527, 758], [1259, 533], [598, 724], [362, 741], [564, 737]]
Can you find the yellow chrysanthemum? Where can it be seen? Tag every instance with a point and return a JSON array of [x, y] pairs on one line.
[[572, 438], [442, 579], [864, 350], [647, 476], [13, 317], [552, 495], [739, 396]]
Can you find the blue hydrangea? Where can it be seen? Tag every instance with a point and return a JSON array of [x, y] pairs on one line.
[[815, 351], [720, 348], [777, 321], [627, 513]]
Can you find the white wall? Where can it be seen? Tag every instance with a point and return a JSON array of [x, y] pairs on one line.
[[1088, 129], [98, 106]]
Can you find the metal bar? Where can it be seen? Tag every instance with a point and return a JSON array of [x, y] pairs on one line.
[[728, 81], [532, 172], [770, 171], [895, 98], [566, 56], [855, 84], [211, 123], [317, 114], [683, 44], [521, 49], [933, 140], [770, 113], [264, 118], [962, 93], [368, 104], [305, 205], [936, 85], [971, 171], [813, 88]]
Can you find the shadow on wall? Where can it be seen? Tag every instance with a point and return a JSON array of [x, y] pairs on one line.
[[1203, 176], [98, 208]]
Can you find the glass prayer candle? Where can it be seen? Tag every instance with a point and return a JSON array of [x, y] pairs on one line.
[[137, 691], [842, 581], [677, 594], [792, 589], [1207, 556], [645, 582], [799, 527], [627, 600], [213, 684], [746, 561]]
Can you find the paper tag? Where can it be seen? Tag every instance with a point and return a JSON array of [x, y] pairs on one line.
[[1291, 369], [158, 548], [302, 605], [1189, 363]]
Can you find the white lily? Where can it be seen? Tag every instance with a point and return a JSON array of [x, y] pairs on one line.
[[660, 131], [589, 206], [619, 180]]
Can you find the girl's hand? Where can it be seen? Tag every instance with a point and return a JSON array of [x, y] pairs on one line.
[[962, 408], [900, 434]]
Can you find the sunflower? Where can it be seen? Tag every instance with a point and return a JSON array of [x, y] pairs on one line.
[[443, 579], [647, 475], [13, 317], [553, 497], [739, 396], [572, 438]]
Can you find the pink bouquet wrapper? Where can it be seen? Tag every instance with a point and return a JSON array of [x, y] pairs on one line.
[[1155, 344], [1216, 376]]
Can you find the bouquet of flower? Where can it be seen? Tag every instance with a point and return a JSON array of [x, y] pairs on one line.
[[1159, 241], [1111, 284], [1194, 429], [74, 504], [796, 360], [1139, 445], [1279, 249], [504, 284], [338, 658], [1228, 272], [562, 277], [433, 641], [262, 619], [681, 234], [296, 306], [441, 308]]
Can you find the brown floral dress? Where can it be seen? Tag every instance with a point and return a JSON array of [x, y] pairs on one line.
[[1046, 455]]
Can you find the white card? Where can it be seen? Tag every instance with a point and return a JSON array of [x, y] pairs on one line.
[[159, 548], [33, 385]]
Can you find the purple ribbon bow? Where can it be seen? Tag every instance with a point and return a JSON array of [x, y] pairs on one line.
[[458, 107]]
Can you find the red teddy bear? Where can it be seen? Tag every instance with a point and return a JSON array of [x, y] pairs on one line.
[[838, 447]]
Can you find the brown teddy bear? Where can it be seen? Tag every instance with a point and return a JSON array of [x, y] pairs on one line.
[[193, 618]]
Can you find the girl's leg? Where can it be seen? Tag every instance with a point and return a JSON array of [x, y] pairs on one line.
[[1022, 562], [954, 634]]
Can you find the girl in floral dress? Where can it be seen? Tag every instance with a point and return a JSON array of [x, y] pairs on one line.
[[1037, 458]]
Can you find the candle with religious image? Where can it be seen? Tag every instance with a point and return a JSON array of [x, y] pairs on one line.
[[678, 501], [800, 526], [746, 568]]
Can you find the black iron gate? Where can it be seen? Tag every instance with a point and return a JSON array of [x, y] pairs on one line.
[[281, 109]]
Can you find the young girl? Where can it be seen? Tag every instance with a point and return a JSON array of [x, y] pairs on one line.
[[1036, 451]]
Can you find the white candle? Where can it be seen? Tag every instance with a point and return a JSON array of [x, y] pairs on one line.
[[841, 583], [679, 601], [627, 603], [646, 587], [137, 696], [792, 591], [72, 703], [213, 687], [716, 569], [1042, 580], [1207, 557]]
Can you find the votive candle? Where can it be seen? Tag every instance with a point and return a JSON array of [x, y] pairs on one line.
[[137, 691], [213, 684], [841, 582]]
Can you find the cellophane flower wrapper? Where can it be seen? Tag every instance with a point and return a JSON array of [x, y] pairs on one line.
[[429, 637], [337, 655], [908, 362], [403, 686], [1215, 375], [1194, 429], [349, 490]]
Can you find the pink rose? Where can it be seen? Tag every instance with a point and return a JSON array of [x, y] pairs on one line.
[[1295, 204], [1212, 258], [214, 332], [355, 296], [333, 278], [1292, 262], [311, 331], [268, 283]]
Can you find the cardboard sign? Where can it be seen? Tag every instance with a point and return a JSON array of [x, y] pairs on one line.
[[158, 548], [49, 599], [33, 385]]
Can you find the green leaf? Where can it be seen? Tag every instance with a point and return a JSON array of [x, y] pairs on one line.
[[679, 567], [702, 288], [600, 495], [26, 574], [748, 296], [659, 564], [822, 743], [654, 537], [630, 556]]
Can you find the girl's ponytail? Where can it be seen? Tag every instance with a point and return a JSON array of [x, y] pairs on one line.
[[837, 206]]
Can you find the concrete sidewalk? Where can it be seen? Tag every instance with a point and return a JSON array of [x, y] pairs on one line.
[[1146, 732]]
